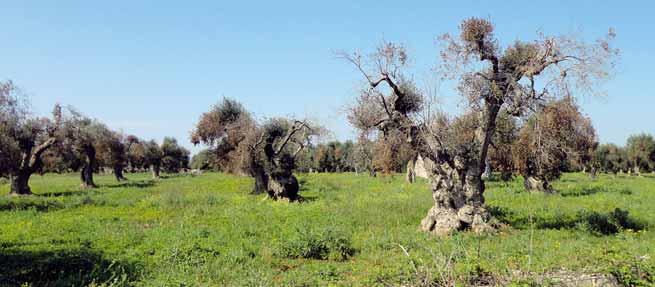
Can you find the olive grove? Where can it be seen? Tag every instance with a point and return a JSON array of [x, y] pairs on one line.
[[492, 79]]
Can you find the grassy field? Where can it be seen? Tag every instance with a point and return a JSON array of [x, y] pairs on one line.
[[351, 230]]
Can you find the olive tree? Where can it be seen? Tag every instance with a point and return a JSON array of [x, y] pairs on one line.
[[152, 157], [174, 156], [548, 140], [112, 152], [641, 152], [266, 151], [516, 77], [85, 136], [224, 129], [23, 138], [610, 158]]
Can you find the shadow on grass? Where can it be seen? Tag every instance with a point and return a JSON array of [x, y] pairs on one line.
[[134, 184], [75, 192], [24, 203], [591, 221], [62, 268], [590, 190]]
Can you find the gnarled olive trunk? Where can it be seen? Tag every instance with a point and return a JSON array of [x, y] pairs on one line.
[[19, 183], [86, 174], [637, 171], [118, 172], [30, 162], [411, 172], [261, 180], [458, 201], [155, 168], [536, 184], [458, 187], [283, 186]]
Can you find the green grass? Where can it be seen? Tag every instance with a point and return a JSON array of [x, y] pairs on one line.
[[351, 230]]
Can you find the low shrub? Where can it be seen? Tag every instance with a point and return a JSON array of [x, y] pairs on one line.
[[607, 224], [316, 243]]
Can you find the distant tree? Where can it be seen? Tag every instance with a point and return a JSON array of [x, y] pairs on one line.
[[224, 129], [86, 137], [500, 150], [325, 158], [392, 152], [112, 152], [152, 157], [306, 159], [346, 155], [23, 138], [136, 155], [203, 160], [641, 153], [174, 156], [516, 78], [272, 156], [363, 155], [610, 158], [266, 151], [549, 138]]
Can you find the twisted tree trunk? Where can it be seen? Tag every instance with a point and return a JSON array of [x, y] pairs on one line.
[[458, 201], [411, 172], [536, 184], [118, 172], [283, 186], [261, 180], [30, 161], [458, 187], [155, 168], [19, 183], [86, 174]]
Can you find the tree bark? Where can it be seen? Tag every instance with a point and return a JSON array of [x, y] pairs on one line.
[[30, 160], [19, 183], [487, 170], [283, 187], [411, 173], [261, 180], [458, 187], [118, 173], [458, 201], [86, 175], [535, 184], [155, 168]]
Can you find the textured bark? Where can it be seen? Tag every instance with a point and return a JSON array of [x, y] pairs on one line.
[[30, 161], [411, 173], [19, 184], [534, 184], [155, 168], [487, 170], [86, 174], [458, 201], [261, 180], [637, 171], [283, 187], [118, 173], [458, 187]]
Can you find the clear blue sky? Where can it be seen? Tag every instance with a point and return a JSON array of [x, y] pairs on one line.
[[152, 67]]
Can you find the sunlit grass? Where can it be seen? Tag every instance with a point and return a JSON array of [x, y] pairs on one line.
[[208, 230]]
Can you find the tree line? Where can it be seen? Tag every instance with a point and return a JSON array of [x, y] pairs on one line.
[[71, 141]]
